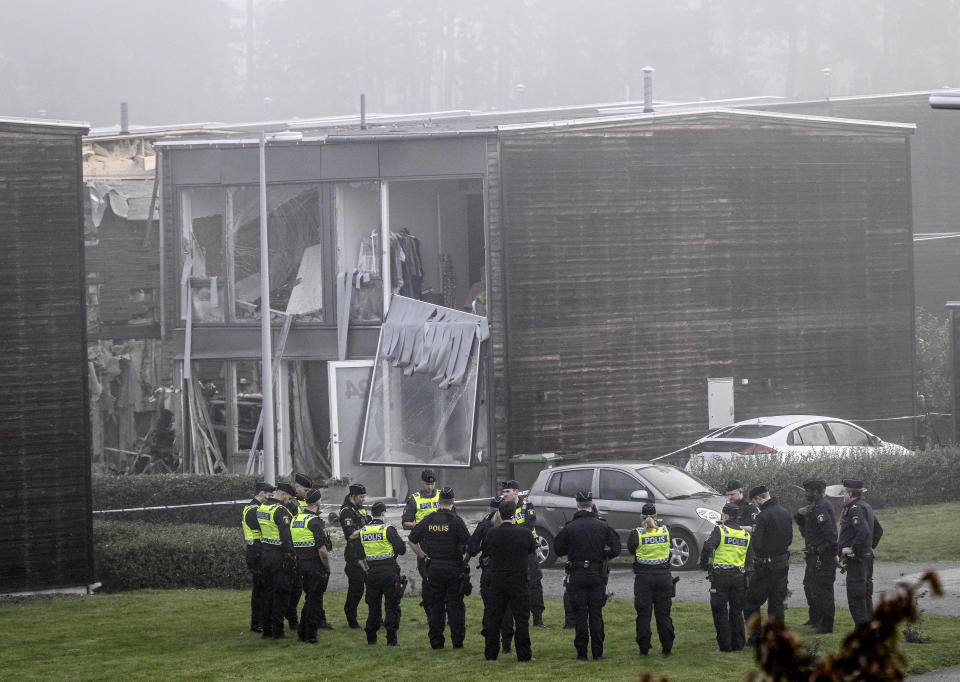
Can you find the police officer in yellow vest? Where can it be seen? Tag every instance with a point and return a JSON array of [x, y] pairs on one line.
[[652, 585], [526, 516], [312, 546], [274, 520], [251, 536], [353, 516], [724, 557], [381, 546], [419, 505]]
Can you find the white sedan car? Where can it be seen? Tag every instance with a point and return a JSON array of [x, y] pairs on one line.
[[791, 434]]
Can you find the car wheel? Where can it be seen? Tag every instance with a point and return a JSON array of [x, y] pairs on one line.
[[545, 554], [683, 550]]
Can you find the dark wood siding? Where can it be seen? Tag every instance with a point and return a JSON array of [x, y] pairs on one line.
[[44, 440], [642, 260]]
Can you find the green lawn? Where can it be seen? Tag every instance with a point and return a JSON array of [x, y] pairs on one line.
[[202, 634], [927, 533]]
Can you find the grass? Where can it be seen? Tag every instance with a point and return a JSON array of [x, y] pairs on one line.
[[927, 533], [202, 634]]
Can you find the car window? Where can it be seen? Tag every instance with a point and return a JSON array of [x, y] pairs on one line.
[[851, 436], [751, 431], [616, 485], [568, 483], [674, 483], [811, 434]]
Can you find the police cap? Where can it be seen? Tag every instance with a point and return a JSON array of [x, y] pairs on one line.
[[495, 502], [446, 493], [853, 483], [758, 490], [428, 476], [512, 484], [731, 510], [734, 484], [313, 495], [303, 480], [264, 487], [378, 508], [358, 489], [649, 509], [814, 484], [287, 488], [584, 496]]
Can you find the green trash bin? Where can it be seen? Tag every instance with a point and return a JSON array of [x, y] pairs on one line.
[[527, 467]]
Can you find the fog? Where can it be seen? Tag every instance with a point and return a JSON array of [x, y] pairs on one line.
[[179, 61]]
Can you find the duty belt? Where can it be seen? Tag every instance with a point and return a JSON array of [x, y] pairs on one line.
[[586, 564], [776, 557]]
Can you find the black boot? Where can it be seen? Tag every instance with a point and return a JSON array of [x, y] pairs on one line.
[[352, 622]]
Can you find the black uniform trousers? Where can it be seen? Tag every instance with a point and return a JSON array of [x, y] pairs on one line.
[[383, 586], [652, 593], [296, 591], [536, 589], [444, 599], [256, 594], [767, 584], [355, 582], [818, 579], [587, 593], [314, 578], [275, 566], [504, 594], [860, 588], [727, 596], [506, 623]]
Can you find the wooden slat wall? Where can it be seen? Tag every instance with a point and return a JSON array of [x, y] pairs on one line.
[[45, 518], [641, 260]]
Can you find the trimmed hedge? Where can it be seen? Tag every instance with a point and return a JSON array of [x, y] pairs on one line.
[[124, 492], [137, 555], [891, 479]]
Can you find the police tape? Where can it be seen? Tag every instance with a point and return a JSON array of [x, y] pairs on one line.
[[214, 504]]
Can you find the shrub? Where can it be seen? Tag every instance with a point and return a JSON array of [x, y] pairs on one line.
[[133, 555], [892, 479], [124, 492]]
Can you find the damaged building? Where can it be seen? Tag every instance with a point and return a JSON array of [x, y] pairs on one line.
[[585, 276]]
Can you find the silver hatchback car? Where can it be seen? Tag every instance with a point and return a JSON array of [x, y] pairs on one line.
[[689, 507]]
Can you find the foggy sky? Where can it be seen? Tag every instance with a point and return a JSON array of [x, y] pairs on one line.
[[179, 61]]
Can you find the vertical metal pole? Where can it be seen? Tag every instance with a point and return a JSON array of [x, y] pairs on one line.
[[266, 383]]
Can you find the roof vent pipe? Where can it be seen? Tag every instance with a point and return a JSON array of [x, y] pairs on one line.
[[647, 89], [363, 111], [124, 119]]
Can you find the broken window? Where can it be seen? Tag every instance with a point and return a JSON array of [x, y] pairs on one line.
[[359, 261], [423, 397], [203, 250]]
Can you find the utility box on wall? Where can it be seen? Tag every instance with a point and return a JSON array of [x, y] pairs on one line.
[[719, 402]]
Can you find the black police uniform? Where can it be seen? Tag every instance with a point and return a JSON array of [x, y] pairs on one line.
[[254, 552], [443, 538], [528, 517], [728, 588], [861, 531], [277, 563], [314, 578], [383, 585], [772, 535], [746, 512], [818, 526], [475, 547], [352, 518], [296, 584], [509, 547], [587, 541]]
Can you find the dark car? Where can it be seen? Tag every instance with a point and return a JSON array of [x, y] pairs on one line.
[[689, 507]]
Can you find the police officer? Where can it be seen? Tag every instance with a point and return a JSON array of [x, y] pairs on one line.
[[420, 504], [724, 557], [527, 516], [440, 539], [588, 542], [653, 584], [353, 517], [252, 535], [277, 560], [381, 546], [475, 547], [301, 486], [818, 526], [860, 533], [772, 535], [312, 546], [747, 511], [509, 547]]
